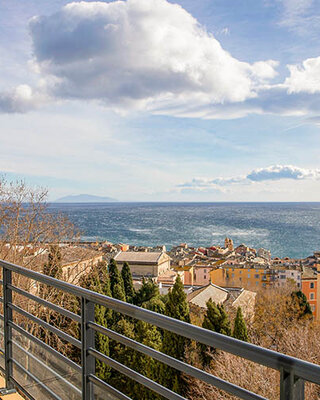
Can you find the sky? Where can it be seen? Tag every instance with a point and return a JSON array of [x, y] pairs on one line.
[[156, 100]]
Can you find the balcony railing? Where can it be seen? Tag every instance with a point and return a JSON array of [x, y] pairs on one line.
[[40, 371]]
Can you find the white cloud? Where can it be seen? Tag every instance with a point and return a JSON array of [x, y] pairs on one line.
[[276, 172], [154, 56], [139, 53], [272, 173], [304, 77]]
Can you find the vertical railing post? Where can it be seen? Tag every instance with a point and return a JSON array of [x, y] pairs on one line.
[[87, 341], [291, 387], [7, 317]]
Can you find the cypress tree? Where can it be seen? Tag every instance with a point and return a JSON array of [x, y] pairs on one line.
[[150, 336], [174, 345], [215, 319], [124, 355], [127, 282], [301, 305], [98, 281], [240, 328], [116, 282], [148, 291], [53, 266]]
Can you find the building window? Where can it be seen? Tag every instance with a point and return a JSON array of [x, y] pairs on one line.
[[240, 279], [248, 275], [205, 276], [256, 276], [282, 277], [313, 308], [205, 271], [311, 285], [257, 283], [311, 296], [232, 275]]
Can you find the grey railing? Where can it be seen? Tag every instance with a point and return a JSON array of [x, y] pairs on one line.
[[80, 380]]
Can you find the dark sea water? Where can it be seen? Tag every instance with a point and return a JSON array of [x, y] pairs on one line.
[[287, 229]]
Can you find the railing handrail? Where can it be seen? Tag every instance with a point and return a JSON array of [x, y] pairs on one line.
[[292, 369], [269, 358]]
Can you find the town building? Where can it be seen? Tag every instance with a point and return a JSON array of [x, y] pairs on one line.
[[309, 286], [229, 297], [144, 264], [253, 278]]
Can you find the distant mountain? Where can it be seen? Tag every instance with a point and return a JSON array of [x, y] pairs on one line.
[[85, 198]]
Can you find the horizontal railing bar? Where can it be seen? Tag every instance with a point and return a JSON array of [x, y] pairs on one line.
[[177, 364], [105, 386], [45, 346], [51, 328], [46, 303], [136, 376], [38, 382], [269, 358], [52, 371]]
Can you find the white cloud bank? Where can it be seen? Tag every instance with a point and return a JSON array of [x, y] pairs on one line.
[[138, 54], [154, 56], [272, 173]]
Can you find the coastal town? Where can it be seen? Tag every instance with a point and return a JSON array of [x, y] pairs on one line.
[[226, 274]]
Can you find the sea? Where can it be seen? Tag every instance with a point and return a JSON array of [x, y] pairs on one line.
[[287, 229]]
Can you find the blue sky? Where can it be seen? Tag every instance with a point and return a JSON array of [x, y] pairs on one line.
[[155, 100]]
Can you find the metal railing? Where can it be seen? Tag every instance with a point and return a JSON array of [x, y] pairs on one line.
[[82, 385]]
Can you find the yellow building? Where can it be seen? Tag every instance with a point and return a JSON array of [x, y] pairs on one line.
[[243, 277]]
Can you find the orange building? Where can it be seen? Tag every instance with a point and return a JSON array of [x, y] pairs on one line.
[[252, 278], [309, 286]]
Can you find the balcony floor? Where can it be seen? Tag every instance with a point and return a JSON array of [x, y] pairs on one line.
[[13, 396]]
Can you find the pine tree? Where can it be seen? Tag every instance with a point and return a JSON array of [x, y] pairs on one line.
[[127, 282], [217, 320], [116, 282], [174, 345], [240, 328]]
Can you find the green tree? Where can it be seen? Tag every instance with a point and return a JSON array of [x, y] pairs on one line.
[[53, 267], [301, 305], [150, 336], [124, 355], [116, 282], [240, 329], [216, 319], [174, 345], [127, 282], [155, 304], [147, 291], [98, 281]]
